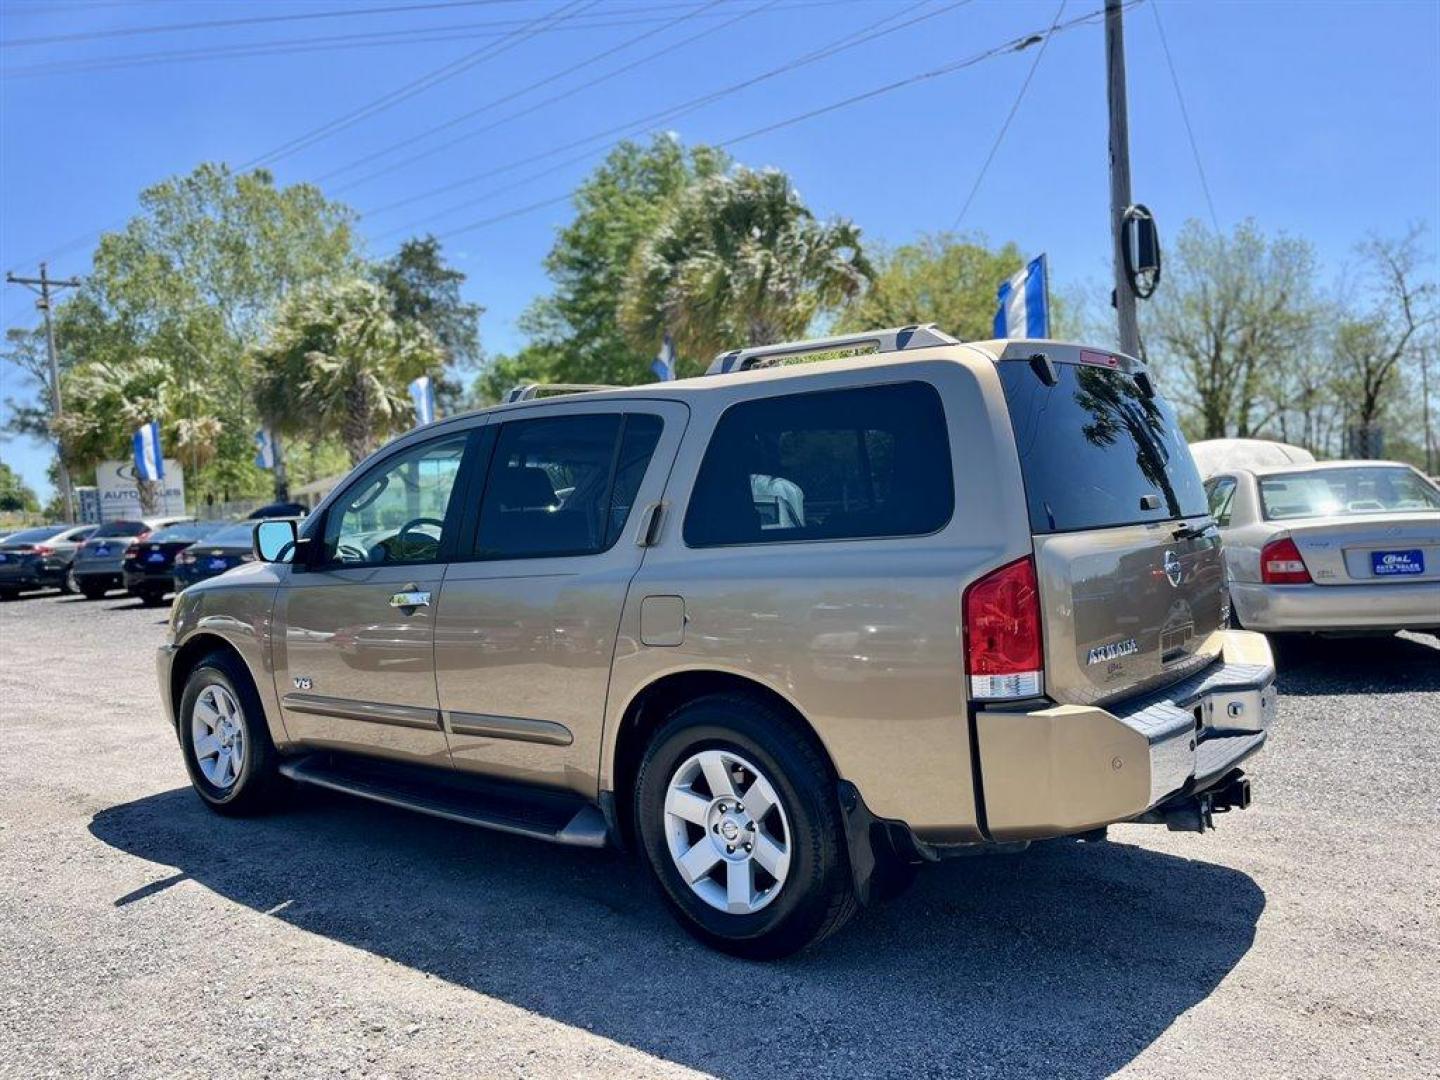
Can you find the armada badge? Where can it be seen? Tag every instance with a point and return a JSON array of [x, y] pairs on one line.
[[1102, 654]]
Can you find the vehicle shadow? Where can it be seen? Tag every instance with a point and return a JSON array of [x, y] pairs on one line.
[[1067, 960], [1367, 665]]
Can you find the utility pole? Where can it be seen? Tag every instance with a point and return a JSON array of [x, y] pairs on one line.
[[45, 284], [1119, 174]]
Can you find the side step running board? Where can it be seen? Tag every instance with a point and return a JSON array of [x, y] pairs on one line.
[[571, 822]]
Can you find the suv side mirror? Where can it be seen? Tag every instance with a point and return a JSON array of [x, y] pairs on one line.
[[275, 541]]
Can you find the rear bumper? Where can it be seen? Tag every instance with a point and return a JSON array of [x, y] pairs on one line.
[[1394, 605], [1073, 768], [31, 575], [147, 580]]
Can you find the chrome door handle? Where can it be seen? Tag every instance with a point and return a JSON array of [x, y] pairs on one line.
[[410, 600]]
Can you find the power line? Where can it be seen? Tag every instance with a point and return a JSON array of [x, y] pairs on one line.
[[419, 85], [1014, 108], [370, 39], [854, 99], [249, 20], [581, 88], [865, 35], [1185, 116]]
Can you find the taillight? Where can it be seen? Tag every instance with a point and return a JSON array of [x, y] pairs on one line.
[[141, 535], [42, 550], [1003, 654], [1281, 564]]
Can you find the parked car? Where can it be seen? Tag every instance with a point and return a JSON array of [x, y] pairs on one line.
[[39, 558], [788, 630], [1335, 547], [149, 566], [278, 510], [100, 562], [219, 551], [1221, 455]]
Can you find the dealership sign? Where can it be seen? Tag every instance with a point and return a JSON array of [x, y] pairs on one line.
[[120, 498]]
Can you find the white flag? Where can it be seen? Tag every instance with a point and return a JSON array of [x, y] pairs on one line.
[[422, 393]]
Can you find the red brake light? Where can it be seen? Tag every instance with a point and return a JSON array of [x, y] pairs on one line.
[[1281, 564], [41, 549], [1003, 654], [141, 535]]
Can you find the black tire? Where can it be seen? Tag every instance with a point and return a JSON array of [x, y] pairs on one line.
[[257, 784], [93, 590], [68, 585], [6, 595], [817, 896], [152, 598]]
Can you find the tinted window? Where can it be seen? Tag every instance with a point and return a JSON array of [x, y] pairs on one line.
[[563, 485], [1346, 492], [33, 536], [177, 533], [837, 464], [395, 513], [121, 528], [238, 535], [1096, 452]]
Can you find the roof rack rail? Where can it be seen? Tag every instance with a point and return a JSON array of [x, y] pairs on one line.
[[531, 391], [896, 339]]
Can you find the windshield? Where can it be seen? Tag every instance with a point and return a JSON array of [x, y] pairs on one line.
[[120, 528], [1096, 452], [1346, 492], [34, 536], [176, 534]]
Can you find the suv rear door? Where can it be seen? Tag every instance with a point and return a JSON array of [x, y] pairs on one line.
[[527, 622], [1131, 580]]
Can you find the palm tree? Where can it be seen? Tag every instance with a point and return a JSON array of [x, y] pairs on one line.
[[337, 362], [739, 260]]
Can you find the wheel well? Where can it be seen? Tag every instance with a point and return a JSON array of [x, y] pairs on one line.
[[190, 654], [657, 701]]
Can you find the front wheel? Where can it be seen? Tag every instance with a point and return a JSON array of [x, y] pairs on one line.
[[228, 752], [68, 585], [740, 823]]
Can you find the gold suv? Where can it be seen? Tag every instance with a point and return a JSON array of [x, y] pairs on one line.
[[788, 630]]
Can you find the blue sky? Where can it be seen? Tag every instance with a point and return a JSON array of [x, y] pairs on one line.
[[1319, 119]]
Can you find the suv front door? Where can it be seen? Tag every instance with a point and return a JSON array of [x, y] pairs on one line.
[[527, 623], [355, 628]]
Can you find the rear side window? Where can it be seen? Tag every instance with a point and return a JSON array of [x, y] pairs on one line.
[[564, 485], [830, 465], [1096, 452]]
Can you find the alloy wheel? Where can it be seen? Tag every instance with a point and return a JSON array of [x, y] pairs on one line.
[[217, 731], [727, 831]]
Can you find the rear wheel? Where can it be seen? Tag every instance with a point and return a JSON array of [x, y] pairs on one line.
[[228, 752], [6, 595], [68, 585], [93, 590], [739, 820], [152, 598]]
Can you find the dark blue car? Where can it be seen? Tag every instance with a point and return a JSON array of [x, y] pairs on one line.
[[216, 553]]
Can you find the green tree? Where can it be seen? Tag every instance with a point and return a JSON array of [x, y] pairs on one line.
[[1231, 316], [575, 333], [15, 495], [942, 278], [338, 363], [190, 283], [425, 289], [738, 259]]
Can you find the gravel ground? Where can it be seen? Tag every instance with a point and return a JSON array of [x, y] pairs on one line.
[[143, 936]]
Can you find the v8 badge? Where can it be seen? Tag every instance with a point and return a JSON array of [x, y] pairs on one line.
[[303, 682]]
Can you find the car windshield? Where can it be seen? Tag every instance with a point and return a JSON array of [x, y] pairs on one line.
[[34, 536], [238, 535], [120, 528], [1346, 492], [189, 532]]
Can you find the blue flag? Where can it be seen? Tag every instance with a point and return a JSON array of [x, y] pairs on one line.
[[422, 393], [264, 449], [149, 461], [1024, 309], [664, 364]]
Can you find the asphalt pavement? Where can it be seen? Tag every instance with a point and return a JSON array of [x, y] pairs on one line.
[[141, 935]]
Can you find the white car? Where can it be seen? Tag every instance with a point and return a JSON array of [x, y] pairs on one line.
[[1330, 547]]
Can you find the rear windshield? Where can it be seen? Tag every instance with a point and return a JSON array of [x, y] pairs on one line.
[[176, 534], [241, 534], [1096, 452], [34, 536], [121, 528], [1346, 492]]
